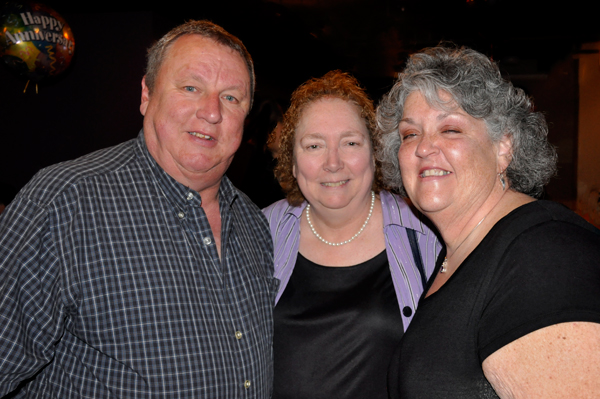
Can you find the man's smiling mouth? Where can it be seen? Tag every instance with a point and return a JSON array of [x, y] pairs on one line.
[[201, 136]]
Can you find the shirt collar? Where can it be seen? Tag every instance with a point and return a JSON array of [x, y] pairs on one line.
[[296, 211], [227, 192], [404, 216], [174, 191]]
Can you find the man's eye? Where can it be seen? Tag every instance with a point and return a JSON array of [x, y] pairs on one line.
[[230, 98], [190, 88]]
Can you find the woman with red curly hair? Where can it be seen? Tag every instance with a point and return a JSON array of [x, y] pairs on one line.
[[351, 257]]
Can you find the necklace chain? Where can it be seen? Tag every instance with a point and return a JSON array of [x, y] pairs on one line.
[[444, 267], [336, 244]]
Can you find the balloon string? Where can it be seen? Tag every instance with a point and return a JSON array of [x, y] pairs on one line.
[[52, 58], [26, 87]]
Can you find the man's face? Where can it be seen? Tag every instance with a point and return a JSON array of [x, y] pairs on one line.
[[194, 117]]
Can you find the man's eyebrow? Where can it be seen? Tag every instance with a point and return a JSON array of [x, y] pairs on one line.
[[196, 76], [241, 86]]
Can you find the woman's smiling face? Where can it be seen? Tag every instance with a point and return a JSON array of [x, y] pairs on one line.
[[447, 159], [333, 157]]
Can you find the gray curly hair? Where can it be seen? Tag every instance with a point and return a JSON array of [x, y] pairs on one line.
[[475, 84]]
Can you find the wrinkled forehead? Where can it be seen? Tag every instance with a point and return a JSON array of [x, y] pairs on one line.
[[327, 98], [439, 99], [315, 104], [173, 51]]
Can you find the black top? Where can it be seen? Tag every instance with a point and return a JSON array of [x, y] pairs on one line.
[[539, 266], [335, 331]]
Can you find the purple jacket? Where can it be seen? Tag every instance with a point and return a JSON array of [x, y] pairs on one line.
[[284, 221]]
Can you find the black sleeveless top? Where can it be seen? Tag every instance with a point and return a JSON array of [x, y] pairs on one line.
[[335, 331]]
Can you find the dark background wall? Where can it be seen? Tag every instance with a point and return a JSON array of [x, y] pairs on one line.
[[95, 103]]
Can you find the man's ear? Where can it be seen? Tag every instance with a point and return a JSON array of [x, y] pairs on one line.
[[505, 153], [145, 97]]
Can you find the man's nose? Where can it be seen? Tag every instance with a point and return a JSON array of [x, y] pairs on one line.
[[209, 108]]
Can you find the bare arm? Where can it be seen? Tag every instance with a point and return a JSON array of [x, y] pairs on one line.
[[559, 361]]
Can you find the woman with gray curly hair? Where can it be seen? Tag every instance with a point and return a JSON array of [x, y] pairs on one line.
[[513, 308]]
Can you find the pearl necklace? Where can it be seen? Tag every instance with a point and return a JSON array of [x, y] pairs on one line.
[[335, 244], [444, 267]]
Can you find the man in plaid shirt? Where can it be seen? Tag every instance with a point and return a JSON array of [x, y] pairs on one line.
[[139, 271]]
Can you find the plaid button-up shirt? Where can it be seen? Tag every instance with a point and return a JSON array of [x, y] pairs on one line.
[[111, 286]]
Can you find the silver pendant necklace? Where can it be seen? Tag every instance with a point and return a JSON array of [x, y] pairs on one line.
[[336, 244], [444, 267]]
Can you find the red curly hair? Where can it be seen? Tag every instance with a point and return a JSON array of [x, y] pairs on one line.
[[334, 84]]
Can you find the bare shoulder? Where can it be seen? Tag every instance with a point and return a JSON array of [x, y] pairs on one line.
[[559, 361]]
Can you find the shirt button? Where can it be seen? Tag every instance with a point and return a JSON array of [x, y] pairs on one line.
[[238, 335], [190, 196], [207, 241], [181, 215], [407, 311], [247, 384]]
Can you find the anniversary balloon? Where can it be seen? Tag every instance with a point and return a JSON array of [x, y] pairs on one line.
[[35, 41]]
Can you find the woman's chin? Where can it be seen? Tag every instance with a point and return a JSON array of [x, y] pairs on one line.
[[429, 205]]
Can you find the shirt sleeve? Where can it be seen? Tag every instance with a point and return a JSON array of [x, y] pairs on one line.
[[31, 319], [550, 274]]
